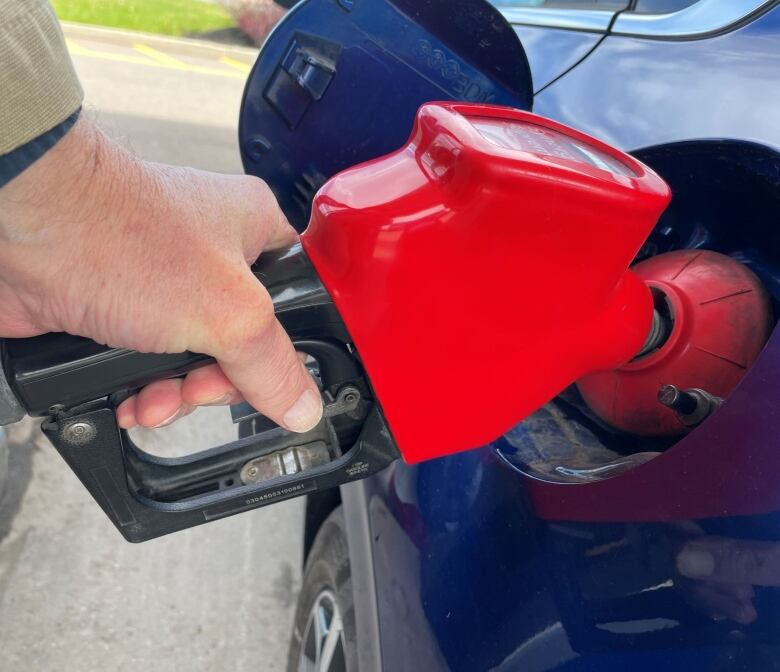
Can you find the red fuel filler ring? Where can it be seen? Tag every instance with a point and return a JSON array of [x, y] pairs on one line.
[[445, 291]]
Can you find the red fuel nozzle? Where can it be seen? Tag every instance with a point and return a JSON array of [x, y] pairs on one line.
[[483, 267]]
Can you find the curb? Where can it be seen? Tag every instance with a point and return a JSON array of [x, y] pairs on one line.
[[179, 45]]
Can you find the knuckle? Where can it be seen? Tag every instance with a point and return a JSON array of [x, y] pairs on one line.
[[258, 193], [247, 321], [260, 216]]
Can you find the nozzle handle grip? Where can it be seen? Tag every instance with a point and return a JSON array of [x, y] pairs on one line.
[[60, 370]]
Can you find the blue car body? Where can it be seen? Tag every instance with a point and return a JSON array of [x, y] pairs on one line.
[[453, 567]]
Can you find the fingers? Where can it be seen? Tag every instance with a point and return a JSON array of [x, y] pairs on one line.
[[731, 561], [720, 601], [209, 386], [125, 414], [284, 234], [157, 405], [271, 374], [158, 402], [266, 228], [723, 572], [272, 378]]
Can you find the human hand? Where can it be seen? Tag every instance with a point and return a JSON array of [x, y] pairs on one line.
[[153, 258], [723, 572]]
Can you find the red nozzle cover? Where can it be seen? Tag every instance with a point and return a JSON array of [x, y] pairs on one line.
[[482, 268]]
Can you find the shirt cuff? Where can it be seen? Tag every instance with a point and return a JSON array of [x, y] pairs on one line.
[[38, 85], [21, 158]]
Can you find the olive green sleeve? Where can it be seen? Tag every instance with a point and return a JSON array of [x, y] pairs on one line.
[[38, 85]]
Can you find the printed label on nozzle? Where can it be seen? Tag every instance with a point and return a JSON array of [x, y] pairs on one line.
[[543, 141]]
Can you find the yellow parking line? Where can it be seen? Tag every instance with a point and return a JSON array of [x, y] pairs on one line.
[[160, 57], [233, 63], [214, 71], [78, 50], [156, 59]]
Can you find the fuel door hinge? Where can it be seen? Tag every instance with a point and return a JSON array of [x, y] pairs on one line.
[[302, 77]]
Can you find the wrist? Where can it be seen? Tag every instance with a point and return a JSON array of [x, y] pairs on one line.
[[50, 192], [58, 220]]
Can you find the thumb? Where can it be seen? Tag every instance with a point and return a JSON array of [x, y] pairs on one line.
[[727, 560], [256, 354]]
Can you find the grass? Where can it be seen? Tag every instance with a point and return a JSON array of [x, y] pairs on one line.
[[169, 17]]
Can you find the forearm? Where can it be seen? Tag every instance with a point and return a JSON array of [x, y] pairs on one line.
[[62, 191], [64, 225]]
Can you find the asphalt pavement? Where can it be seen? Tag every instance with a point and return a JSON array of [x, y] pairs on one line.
[[74, 596]]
